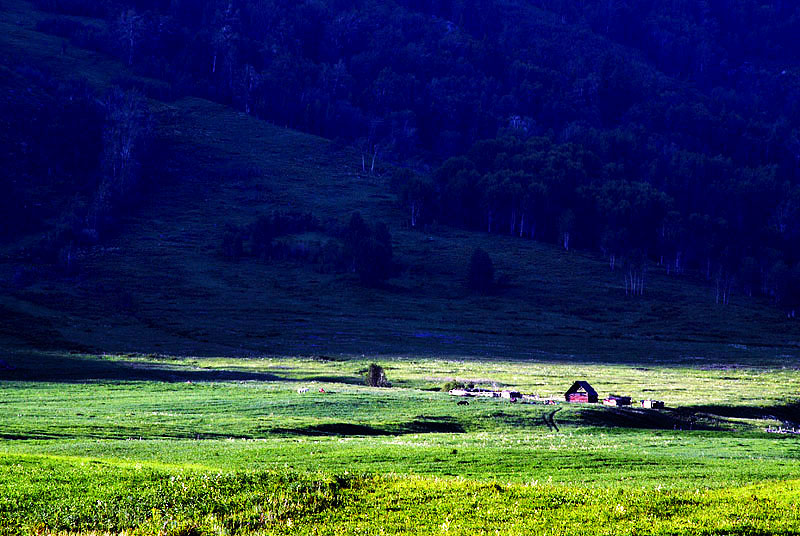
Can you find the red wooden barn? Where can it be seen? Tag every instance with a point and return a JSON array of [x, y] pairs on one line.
[[581, 392]]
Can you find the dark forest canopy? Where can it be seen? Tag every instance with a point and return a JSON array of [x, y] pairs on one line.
[[434, 77], [667, 131]]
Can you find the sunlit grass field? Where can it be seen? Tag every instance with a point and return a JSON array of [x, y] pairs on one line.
[[230, 446]]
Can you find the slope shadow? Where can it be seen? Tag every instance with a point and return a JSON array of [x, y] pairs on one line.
[[337, 428], [788, 413], [700, 417], [432, 425], [69, 369], [424, 425], [34, 332], [637, 418], [349, 380], [519, 420]]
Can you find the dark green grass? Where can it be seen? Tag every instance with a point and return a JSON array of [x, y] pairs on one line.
[[56, 495]]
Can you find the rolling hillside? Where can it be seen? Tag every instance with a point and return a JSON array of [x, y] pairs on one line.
[[160, 285]]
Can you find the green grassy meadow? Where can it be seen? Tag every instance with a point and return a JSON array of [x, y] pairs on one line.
[[230, 446]]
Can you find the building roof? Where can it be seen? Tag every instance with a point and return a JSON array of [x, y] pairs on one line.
[[577, 386]]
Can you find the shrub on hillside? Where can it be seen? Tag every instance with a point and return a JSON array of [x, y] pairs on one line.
[[331, 258], [368, 250], [267, 228]]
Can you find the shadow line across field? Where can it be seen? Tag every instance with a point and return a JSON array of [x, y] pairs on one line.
[[420, 425], [67, 369], [787, 413]]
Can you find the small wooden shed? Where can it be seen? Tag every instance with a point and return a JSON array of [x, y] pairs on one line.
[[653, 404], [615, 400], [581, 391]]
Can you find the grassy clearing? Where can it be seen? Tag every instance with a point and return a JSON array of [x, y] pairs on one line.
[[220, 453]]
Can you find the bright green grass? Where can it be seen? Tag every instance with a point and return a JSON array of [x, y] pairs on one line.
[[119, 497], [49, 494], [592, 458], [701, 383], [257, 456]]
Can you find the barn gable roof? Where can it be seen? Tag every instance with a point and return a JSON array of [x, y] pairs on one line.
[[577, 386]]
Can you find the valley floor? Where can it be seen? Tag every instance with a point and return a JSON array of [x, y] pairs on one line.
[[153, 444]]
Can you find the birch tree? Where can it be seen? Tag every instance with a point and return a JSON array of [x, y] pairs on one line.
[[251, 80], [125, 138], [418, 196], [534, 199], [566, 224], [131, 27], [224, 41], [634, 273], [723, 286]]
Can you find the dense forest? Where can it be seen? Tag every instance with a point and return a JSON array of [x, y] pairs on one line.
[[653, 132]]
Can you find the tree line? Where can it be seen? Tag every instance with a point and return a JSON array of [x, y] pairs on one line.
[[428, 79], [738, 227], [77, 161]]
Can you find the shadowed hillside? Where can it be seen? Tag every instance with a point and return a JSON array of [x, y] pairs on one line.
[[160, 284]]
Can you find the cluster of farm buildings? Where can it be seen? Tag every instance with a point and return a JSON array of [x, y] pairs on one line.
[[580, 393]]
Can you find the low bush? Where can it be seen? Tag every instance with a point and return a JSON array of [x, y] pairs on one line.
[[376, 377], [452, 384]]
